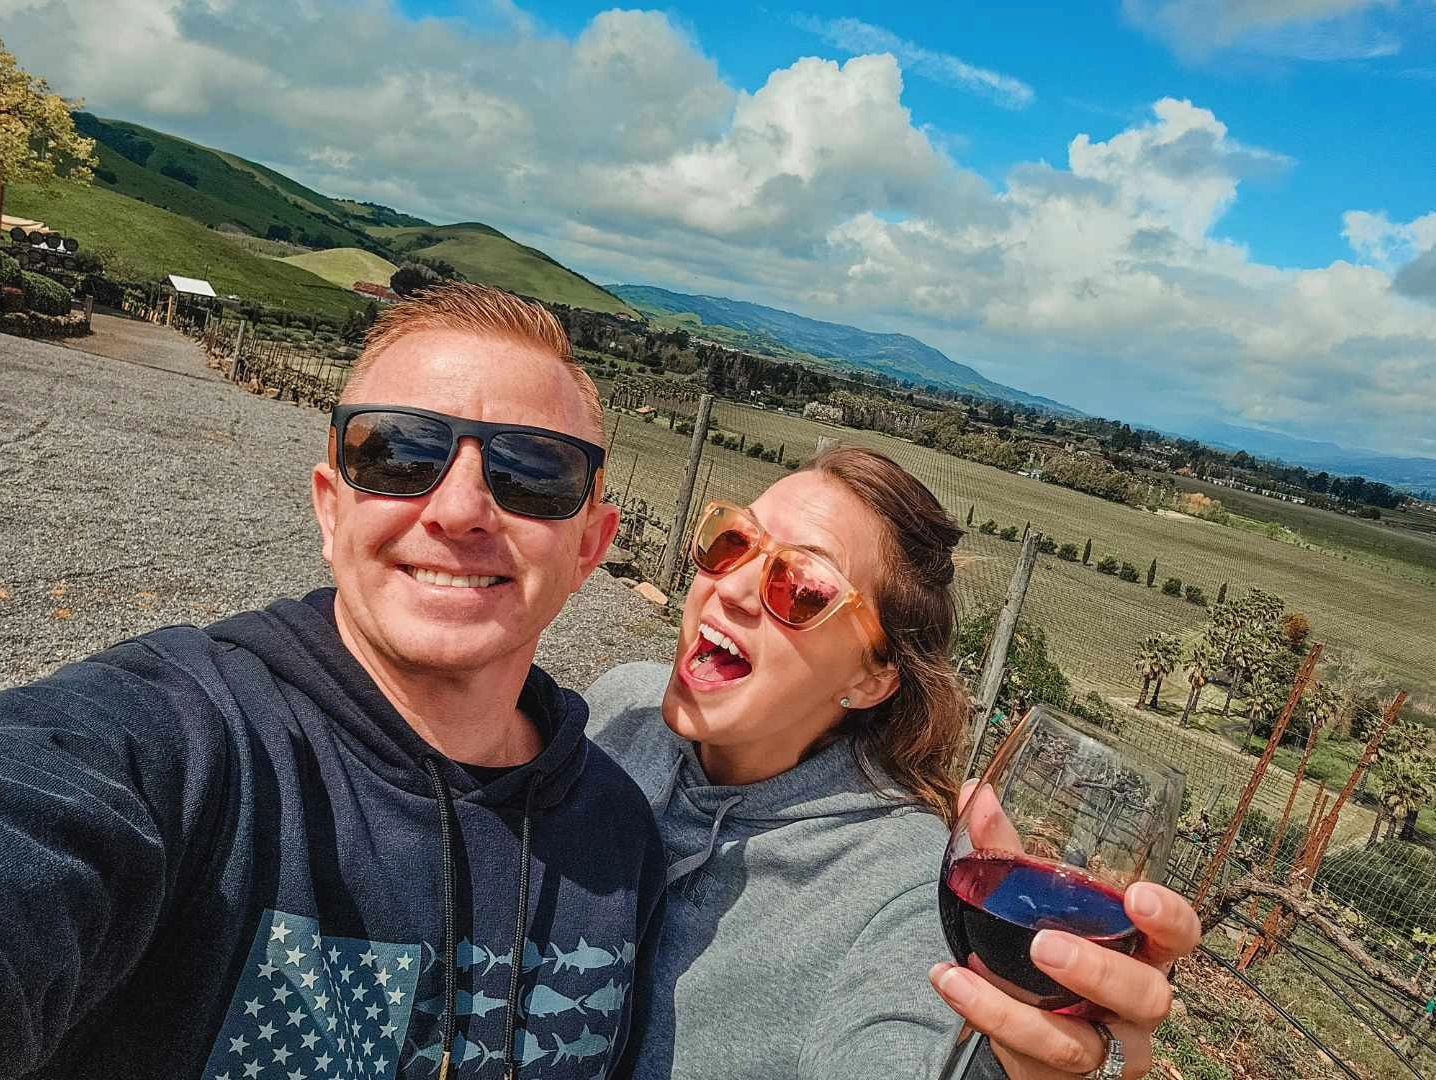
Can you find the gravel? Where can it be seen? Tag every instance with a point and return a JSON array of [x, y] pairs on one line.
[[144, 491]]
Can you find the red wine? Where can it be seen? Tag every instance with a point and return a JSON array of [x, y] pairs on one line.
[[992, 904]]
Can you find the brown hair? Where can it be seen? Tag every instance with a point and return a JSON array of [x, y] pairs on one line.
[[915, 737], [483, 312]]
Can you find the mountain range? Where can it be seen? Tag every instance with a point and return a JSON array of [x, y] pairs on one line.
[[782, 333]]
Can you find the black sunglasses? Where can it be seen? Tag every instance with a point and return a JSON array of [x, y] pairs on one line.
[[404, 453]]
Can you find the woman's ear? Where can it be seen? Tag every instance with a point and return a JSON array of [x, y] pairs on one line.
[[875, 687]]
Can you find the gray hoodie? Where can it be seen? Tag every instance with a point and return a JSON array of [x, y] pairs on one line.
[[801, 912]]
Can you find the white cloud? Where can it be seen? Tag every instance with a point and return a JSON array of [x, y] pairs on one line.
[[624, 152], [1316, 30], [859, 38]]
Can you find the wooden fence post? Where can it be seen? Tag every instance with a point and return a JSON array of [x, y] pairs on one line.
[[236, 369], [671, 550], [991, 679]]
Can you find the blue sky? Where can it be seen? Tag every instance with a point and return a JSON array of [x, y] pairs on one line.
[[1172, 212]]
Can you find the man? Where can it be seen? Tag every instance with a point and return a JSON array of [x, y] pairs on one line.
[[358, 834]]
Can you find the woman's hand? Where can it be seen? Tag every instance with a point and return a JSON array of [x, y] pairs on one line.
[[1130, 994]]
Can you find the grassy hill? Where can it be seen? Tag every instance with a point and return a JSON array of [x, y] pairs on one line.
[[345, 266], [141, 241], [482, 253], [214, 187]]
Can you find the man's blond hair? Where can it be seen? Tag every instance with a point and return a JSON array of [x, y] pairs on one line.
[[483, 312]]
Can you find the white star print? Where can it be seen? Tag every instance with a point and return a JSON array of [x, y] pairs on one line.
[[396, 996], [405, 961], [266, 969], [239, 1045], [387, 1031], [296, 1074], [321, 1001], [314, 938], [372, 1012], [380, 1064], [368, 1047], [345, 972], [251, 1007], [281, 993], [359, 992], [341, 1042], [333, 955], [282, 1055], [309, 1040], [368, 958], [309, 978], [323, 1061], [296, 1017], [333, 1020], [267, 1032], [252, 1070], [294, 956], [383, 977], [278, 932], [222, 1076]]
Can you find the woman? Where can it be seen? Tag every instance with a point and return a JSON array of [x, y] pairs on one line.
[[797, 757]]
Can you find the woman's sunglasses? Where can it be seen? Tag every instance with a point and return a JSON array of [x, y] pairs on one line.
[[799, 588], [401, 452]]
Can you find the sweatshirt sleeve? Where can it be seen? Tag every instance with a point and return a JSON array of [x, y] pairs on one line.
[[880, 1015], [92, 811]]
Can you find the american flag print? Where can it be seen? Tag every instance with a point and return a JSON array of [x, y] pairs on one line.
[[313, 1007]]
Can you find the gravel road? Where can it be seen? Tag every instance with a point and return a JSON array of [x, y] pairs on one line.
[[142, 492]]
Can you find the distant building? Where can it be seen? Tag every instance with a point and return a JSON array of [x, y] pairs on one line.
[[373, 291]]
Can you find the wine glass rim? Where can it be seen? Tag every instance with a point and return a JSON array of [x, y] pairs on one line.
[[1138, 756]]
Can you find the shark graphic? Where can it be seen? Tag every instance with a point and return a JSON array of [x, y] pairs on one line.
[[586, 1045], [626, 953], [465, 1004], [584, 958], [545, 1001], [471, 955], [532, 957], [463, 1051], [608, 998]]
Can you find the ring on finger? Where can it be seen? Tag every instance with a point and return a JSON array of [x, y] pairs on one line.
[[1114, 1058]]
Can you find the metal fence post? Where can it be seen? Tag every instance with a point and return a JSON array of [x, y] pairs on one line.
[[685, 494]]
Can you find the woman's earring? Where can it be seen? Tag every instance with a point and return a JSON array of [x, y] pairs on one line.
[[845, 703]]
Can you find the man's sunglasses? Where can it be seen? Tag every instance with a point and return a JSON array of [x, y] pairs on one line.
[[401, 452], [798, 587]]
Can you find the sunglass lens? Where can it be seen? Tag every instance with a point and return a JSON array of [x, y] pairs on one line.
[[798, 590], [721, 542], [395, 453], [536, 476]]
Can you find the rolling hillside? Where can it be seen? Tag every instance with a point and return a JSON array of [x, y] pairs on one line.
[[482, 253], [345, 266], [140, 242], [833, 344]]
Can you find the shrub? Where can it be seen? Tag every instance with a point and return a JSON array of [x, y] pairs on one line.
[[44, 295], [1294, 630], [11, 298], [1172, 586], [755, 449], [1009, 532], [1108, 565], [1095, 709], [1194, 595], [1128, 572], [989, 527], [1067, 552], [9, 271], [1048, 546]]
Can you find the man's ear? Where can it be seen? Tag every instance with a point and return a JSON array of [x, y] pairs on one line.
[[600, 526], [324, 493], [875, 687]]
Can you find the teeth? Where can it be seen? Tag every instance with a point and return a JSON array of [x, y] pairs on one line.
[[439, 577], [723, 641]]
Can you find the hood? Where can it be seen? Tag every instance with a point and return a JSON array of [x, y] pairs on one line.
[[299, 642]]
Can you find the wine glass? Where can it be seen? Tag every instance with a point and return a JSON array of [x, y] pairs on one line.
[[1061, 823]]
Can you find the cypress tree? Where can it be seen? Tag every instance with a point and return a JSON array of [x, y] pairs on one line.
[[970, 509], [1087, 553], [1151, 573], [1222, 594]]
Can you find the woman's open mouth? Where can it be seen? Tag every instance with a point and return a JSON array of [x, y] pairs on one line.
[[715, 658]]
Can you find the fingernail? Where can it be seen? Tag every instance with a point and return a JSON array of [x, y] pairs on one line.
[[1052, 950], [1145, 901], [954, 985]]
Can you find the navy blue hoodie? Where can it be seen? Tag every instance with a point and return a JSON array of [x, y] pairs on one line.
[[224, 855]]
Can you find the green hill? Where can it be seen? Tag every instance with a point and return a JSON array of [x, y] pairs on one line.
[[214, 187], [345, 266], [144, 242], [482, 253]]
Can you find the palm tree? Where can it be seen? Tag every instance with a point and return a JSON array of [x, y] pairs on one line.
[[1148, 663], [1407, 774], [1246, 653], [1169, 655], [1201, 658], [1263, 701]]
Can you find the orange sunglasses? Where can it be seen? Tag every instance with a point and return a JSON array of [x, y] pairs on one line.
[[799, 588]]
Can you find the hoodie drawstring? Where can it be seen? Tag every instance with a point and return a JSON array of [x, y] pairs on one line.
[[521, 932], [446, 816], [689, 863]]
